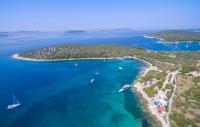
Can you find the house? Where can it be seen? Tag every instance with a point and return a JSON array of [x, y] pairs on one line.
[[195, 73], [161, 109], [151, 82]]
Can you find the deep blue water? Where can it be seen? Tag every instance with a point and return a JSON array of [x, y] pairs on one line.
[[132, 39], [60, 94]]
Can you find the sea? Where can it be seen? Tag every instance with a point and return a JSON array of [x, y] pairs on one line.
[[60, 94]]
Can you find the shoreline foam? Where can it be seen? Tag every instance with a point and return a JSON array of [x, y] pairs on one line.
[[16, 56], [161, 39]]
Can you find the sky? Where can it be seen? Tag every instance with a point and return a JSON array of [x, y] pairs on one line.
[[59, 15]]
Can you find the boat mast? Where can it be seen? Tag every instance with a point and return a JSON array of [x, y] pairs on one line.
[[13, 99], [16, 100]]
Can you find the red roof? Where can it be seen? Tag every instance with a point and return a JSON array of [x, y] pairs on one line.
[[161, 109]]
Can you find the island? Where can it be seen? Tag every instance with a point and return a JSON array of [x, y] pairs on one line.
[[75, 31], [169, 86], [175, 36]]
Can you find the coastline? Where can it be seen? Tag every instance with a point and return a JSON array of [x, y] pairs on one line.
[[16, 56], [158, 120], [138, 87], [163, 40], [155, 121]]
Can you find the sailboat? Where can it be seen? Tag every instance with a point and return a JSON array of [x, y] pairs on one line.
[[96, 73], [164, 43], [120, 68], [124, 87], [92, 81], [75, 64], [15, 104], [186, 46]]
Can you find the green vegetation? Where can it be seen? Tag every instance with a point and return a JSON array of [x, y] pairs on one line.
[[81, 51], [181, 104], [177, 36], [160, 76], [150, 75], [159, 84], [192, 94], [196, 80], [151, 90], [187, 99], [181, 121], [153, 74], [186, 68]]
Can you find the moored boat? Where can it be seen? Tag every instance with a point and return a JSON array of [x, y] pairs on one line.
[[92, 81], [75, 64], [120, 68], [15, 104], [96, 73], [124, 87]]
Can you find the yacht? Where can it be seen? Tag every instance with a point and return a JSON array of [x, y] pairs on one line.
[[96, 73], [92, 81], [120, 68], [75, 64], [124, 87], [15, 104]]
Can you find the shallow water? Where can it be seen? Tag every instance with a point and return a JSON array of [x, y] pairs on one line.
[[59, 93]]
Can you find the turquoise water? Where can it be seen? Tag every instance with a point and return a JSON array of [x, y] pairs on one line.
[[60, 94]]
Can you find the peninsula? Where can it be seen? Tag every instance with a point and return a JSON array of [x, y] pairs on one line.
[[170, 85], [175, 36]]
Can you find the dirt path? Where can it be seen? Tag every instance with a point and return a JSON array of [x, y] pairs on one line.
[[173, 82], [166, 80]]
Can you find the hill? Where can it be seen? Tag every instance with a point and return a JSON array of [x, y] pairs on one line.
[[177, 36]]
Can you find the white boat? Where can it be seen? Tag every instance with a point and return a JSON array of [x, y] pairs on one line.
[[15, 104], [120, 68], [75, 64], [96, 73], [92, 81], [124, 87], [186, 46]]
